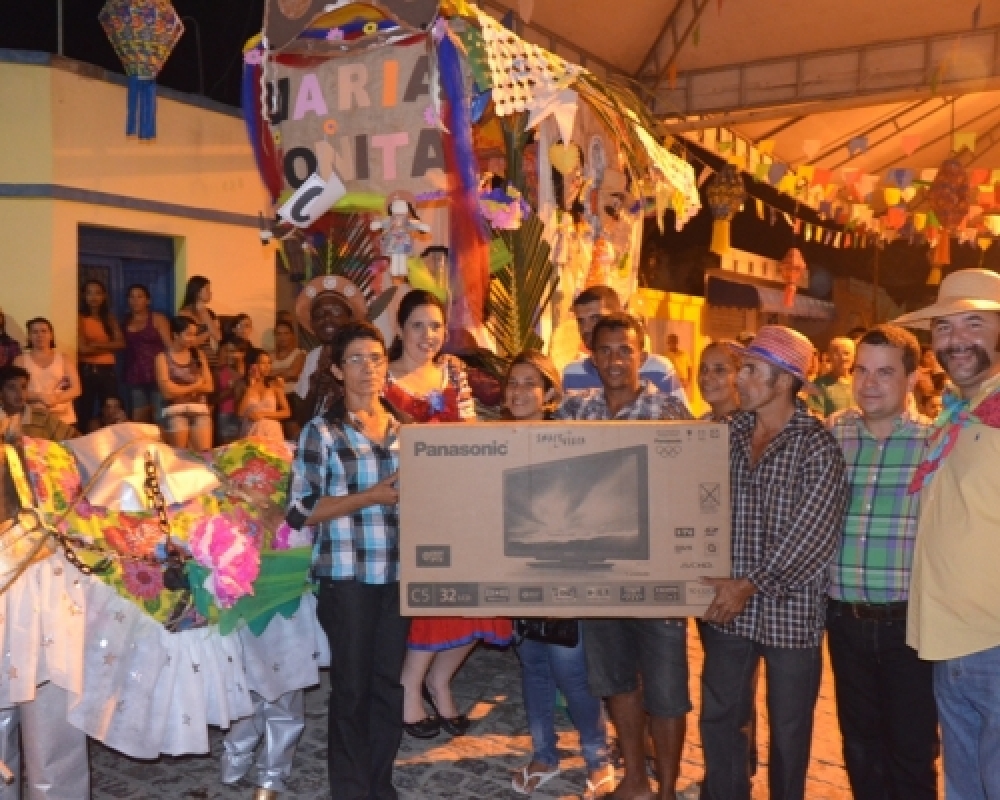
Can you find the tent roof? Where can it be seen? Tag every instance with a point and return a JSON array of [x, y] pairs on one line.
[[737, 31]]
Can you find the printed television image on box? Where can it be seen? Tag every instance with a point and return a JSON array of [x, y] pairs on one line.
[[583, 512]]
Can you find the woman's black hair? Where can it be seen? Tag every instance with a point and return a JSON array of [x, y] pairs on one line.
[[235, 323], [412, 300], [352, 332], [103, 310], [35, 321], [178, 325], [194, 286], [142, 288], [254, 355]]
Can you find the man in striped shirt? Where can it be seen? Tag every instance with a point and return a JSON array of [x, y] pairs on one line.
[[885, 694], [590, 305]]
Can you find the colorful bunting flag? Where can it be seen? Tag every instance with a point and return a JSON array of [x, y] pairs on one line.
[[857, 145], [766, 146], [964, 140], [909, 143]]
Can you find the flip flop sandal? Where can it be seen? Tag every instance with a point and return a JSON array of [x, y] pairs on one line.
[[594, 790], [527, 777]]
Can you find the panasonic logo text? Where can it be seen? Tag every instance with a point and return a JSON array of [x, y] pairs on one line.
[[493, 448]]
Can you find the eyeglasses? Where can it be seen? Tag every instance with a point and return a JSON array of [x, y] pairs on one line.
[[372, 359]]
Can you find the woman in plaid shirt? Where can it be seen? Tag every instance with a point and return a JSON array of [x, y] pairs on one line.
[[344, 483]]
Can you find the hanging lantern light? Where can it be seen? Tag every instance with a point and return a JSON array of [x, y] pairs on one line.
[[725, 195], [792, 267], [143, 34], [949, 199]]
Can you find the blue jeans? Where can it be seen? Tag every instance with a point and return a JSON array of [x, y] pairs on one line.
[[543, 668], [967, 691], [727, 684]]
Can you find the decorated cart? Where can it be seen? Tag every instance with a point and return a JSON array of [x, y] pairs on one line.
[[159, 589]]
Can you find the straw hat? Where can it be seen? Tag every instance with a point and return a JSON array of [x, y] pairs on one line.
[[786, 349], [328, 284], [963, 290]]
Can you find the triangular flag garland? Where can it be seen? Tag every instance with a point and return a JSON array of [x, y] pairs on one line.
[[846, 200]]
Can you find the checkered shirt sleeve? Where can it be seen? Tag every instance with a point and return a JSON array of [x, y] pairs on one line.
[[335, 459], [651, 404], [788, 514], [875, 555]]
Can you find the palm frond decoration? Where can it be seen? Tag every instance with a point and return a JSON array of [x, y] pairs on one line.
[[519, 294]]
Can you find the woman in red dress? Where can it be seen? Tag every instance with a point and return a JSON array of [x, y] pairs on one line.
[[431, 387]]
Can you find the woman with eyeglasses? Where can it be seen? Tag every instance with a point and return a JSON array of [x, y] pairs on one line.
[[345, 485]]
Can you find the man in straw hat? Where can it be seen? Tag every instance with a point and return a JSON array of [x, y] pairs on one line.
[[789, 492], [323, 307], [954, 612]]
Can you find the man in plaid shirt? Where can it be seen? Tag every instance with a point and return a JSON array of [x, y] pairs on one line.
[[788, 494], [621, 651], [344, 484], [885, 694]]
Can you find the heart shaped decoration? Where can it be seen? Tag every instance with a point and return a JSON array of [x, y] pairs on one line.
[[564, 157]]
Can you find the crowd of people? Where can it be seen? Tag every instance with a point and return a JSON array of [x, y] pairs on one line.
[[838, 532], [205, 384]]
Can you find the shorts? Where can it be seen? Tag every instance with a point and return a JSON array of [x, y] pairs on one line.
[[146, 395], [619, 651], [186, 417]]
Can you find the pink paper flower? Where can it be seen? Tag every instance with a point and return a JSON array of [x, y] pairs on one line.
[[218, 543], [335, 35], [253, 57], [142, 580]]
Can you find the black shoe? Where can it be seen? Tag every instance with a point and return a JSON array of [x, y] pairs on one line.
[[427, 728], [456, 726]]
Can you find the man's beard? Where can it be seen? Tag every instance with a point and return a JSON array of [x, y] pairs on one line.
[[983, 362]]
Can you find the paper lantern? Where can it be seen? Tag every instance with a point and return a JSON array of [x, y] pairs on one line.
[[792, 266], [725, 195], [143, 34], [949, 199]]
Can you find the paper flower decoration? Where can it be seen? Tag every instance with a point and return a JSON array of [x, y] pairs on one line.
[[504, 209], [949, 200], [143, 34], [792, 266], [725, 195]]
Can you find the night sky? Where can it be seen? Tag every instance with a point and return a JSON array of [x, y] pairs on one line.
[[225, 26]]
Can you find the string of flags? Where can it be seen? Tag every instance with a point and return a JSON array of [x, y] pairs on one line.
[[864, 209]]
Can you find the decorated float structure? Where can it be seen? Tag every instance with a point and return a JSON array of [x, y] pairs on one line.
[[160, 589]]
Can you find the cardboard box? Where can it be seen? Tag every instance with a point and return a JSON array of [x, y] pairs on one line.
[[563, 519]]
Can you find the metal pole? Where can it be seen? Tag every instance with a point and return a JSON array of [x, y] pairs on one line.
[[59, 27], [875, 290], [197, 42]]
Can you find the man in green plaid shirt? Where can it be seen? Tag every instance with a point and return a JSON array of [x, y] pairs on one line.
[[885, 697]]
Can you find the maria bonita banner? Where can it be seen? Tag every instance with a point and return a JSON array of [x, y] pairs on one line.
[[367, 116]]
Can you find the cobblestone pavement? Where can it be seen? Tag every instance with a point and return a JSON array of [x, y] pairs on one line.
[[477, 765]]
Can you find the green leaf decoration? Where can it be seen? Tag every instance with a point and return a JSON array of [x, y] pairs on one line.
[[519, 293]]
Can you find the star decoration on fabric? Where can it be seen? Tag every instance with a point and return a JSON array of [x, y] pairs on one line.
[[277, 668], [75, 610], [196, 667], [57, 571], [186, 719], [316, 656], [12, 673], [169, 659], [109, 659], [120, 616], [120, 706], [47, 640], [135, 675]]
